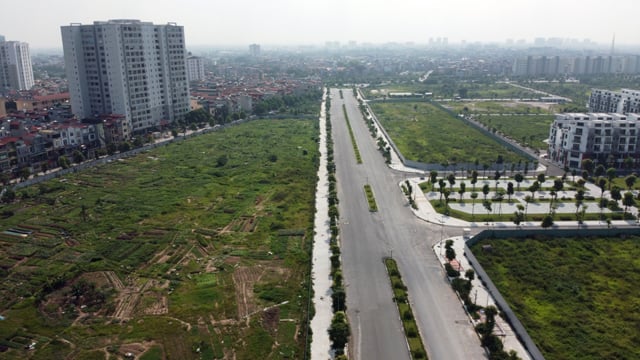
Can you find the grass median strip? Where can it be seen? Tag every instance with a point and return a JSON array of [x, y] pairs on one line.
[[370, 198], [401, 298], [353, 138]]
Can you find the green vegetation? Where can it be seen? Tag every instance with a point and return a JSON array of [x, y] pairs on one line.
[[401, 298], [185, 235], [495, 107], [529, 130], [353, 138], [339, 330], [424, 132], [370, 198], [577, 297]]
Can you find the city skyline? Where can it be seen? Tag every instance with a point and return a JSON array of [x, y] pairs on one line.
[[287, 22]]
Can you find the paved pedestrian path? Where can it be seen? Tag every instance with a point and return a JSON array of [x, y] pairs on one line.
[[321, 265]]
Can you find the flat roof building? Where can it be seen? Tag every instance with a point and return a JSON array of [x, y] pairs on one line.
[[128, 67]]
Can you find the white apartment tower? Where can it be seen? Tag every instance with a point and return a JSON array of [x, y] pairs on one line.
[[195, 68], [15, 66], [127, 67]]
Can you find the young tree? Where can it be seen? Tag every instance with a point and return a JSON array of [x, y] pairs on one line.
[[541, 178], [616, 195], [611, 174], [588, 166], [533, 188], [547, 221], [602, 182], [510, 190], [451, 178], [627, 201], [599, 171], [519, 215], [630, 181], [527, 199], [496, 177], [518, 178], [485, 190], [433, 177], [474, 179], [558, 185], [463, 188], [441, 185], [474, 196]]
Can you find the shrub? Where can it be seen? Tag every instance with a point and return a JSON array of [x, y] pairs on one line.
[[451, 272]]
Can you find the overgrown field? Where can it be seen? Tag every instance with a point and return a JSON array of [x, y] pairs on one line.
[[578, 298], [530, 130], [425, 133], [173, 253]]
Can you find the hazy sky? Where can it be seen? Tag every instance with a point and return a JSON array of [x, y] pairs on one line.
[[224, 22]]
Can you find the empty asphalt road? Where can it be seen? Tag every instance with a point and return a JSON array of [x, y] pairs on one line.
[[366, 238]]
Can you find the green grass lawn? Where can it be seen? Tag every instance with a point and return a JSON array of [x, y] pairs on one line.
[[176, 223], [425, 133], [577, 298]]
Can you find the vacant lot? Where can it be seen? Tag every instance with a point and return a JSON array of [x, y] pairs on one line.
[[577, 298], [530, 130], [424, 132], [175, 251]]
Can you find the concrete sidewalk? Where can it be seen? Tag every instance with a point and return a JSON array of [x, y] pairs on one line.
[[481, 296], [321, 265]]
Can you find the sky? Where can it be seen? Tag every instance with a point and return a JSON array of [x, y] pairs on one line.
[[301, 22]]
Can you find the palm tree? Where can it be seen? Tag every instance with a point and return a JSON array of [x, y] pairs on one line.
[[441, 184]]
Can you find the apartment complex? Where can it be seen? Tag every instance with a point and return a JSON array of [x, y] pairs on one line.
[[195, 68], [127, 67], [579, 65], [607, 138], [15, 66], [624, 101]]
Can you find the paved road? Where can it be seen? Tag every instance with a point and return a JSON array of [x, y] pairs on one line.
[[369, 237]]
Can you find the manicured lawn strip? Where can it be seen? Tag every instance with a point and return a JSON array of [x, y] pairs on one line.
[[480, 213], [423, 132], [401, 298], [183, 218], [370, 198], [353, 138], [578, 298]]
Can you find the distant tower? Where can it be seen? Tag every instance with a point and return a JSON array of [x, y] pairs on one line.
[[613, 44], [254, 49]]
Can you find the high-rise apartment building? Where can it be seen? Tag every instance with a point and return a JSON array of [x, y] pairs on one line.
[[254, 49], [195, 68], [15, 65], [127, 67]]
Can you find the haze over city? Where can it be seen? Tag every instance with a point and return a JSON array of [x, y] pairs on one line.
[[290, 22]]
